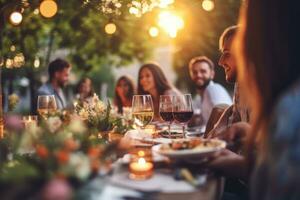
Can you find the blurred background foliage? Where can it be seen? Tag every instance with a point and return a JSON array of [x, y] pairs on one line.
[[77, 33]]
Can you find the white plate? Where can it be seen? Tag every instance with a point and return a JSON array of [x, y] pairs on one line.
[[200, 152]]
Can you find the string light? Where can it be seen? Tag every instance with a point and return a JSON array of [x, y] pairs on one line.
[[153, 31], [110, 28], [36, 62], [208, 5], [48, 8], [15, 18]]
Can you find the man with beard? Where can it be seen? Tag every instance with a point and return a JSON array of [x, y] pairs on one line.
[[210, 94], [58, 71]]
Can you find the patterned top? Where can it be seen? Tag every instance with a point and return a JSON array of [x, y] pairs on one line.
[[277, 175], [238, 112]]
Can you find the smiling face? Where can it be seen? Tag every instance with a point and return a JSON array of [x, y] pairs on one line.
[[201, 74], [146, 80], [228, 62]]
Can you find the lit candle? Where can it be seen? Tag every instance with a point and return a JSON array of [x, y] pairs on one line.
[[140, 169], [30, 120]]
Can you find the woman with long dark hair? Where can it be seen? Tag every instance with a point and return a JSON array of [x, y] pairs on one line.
[[124, 92], [85, 90], [152, 80]]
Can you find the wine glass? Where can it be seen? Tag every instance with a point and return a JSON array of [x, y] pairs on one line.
[[142, 110], [42, 105], [46, 105], [52, 106], [166, 110], [182, 109]]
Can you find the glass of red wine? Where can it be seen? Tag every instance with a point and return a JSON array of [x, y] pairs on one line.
[[166, 110], [182, 109]]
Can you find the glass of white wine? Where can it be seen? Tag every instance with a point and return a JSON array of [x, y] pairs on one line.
[[142, 110], [46, 105], [52, 106]]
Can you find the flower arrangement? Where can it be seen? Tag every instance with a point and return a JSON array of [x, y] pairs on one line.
[[59, 148], [100, 117]]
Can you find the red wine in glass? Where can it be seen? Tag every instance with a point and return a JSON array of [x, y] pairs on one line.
[[166, 110], [183, 116], [167, 116], [182, 109]]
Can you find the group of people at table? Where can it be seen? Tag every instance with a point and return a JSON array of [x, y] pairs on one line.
[[262, 125]]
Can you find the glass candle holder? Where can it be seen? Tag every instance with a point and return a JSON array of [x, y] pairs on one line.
[[140, 165], [30, 120]]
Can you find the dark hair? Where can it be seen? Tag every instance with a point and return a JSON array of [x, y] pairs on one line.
[[161, 82], [91, 93], [199, 59], [268, 55], [56, 66], [129, 95], [227, 35]]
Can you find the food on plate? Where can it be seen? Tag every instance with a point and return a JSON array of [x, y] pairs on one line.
[[191, 144]]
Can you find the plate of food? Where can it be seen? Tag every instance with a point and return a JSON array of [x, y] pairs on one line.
[[189, 148]]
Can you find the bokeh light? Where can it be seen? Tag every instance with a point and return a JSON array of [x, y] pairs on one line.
[[165, 3], [208, 5], [170, 22], [110, 28], [15, 18], [153, 31], [48, 8], [36, 62]]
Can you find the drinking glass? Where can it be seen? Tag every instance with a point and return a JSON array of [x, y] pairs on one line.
[[52, 106], [166, 110], [182, 109], [142, 110], [46, 105]]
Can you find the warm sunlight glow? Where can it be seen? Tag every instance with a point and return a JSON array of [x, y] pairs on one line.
[[48, 8], [15, 18], [110, 28], [208, 5], [165, 3], [153, 31], [170, 22]]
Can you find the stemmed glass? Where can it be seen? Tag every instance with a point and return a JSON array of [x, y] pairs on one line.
[[46, 105], [142, 110], [166, 110], [52, 106], [182, 109]]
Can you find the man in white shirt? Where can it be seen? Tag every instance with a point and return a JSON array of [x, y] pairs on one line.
[[202, 73]]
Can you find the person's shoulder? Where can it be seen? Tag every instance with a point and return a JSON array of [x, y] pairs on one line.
[[216, 90], [286, 117], [44, 90], [213, 86]]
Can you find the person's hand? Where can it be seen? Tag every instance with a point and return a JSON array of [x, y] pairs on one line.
[[234, 135], [228, 164]]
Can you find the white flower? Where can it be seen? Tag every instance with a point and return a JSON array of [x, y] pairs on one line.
[[54, 123], [80, 165], [77, 126]]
